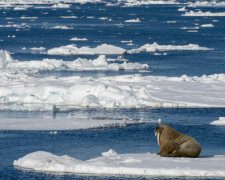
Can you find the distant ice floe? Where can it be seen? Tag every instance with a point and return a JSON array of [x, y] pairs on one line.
[[19, 91], [156, 47], [24, 4], [129, 3], [64, 123], [207, 25], [73, 49], [78, 39], [207, 3], [221, 121], [62, 27], [200, 13], [137, 20], [112, 163], [100, 63]]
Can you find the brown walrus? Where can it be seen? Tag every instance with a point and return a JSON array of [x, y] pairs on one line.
[[175, 144]]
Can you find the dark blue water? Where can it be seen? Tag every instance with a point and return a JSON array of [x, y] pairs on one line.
[[86, 144]]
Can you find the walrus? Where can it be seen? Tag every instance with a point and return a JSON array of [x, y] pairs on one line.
[[175, 144]]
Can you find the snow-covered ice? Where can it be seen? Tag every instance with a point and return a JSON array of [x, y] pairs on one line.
[[137, 20], [65, 123], [112, 163], [156, 47], [200, 13], [220, 121], [19, 91], [207, 25], [22, 92], [73, 49]]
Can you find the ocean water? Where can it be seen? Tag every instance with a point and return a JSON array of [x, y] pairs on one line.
[[163, 24]]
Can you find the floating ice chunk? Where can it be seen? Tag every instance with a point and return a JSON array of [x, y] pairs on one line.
[[206, 3], [73, 49], [62, 27], [60, 5], [69, 17], [137, 20], [200, 13], [111, 163], [129, 3], [207, 25], [156, 47], [182, 9], [78, 39], [37, 49], [221, 121]]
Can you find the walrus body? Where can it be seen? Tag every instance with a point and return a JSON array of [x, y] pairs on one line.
[[175, 144]]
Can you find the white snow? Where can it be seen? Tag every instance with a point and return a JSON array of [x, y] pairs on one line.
[[112, 163], [137, 20], [73, 49], [221, 121], [156, 47], [200, 13], [64, 123]]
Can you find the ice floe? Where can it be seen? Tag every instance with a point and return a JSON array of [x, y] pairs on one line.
[[207, 25], [19, 91], [78, 39], [220, 121], [137, 20], [129, 3], [100, 63], [211, 3], [112, 163], [73, 49], [65, 123], [200, 13], [156, 47]]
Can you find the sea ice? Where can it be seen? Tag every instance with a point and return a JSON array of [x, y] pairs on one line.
[[112, 163], [73, 49], [65, 123], [137, 20], [200, 13], [207, 25], [100, 63], [22, 92], [221, 121], [156, 47]]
